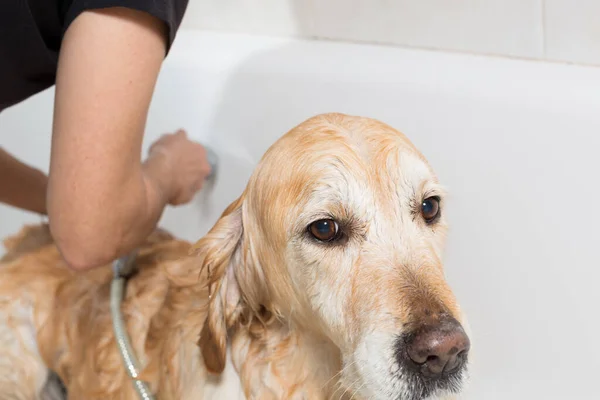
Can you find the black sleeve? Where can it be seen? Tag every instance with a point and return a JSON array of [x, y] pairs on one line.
[[169, 11]]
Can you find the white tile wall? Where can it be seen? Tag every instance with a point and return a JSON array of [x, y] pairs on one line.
[[573, 30], [270, 17], [562, 30], [511, 27]]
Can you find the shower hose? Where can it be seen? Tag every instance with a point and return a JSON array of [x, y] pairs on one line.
[[121, 270]]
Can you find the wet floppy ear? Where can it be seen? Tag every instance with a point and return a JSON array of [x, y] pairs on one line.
[[220, 252], [224, 309]]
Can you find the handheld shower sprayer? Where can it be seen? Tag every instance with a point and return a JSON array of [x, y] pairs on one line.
[[213, 161]]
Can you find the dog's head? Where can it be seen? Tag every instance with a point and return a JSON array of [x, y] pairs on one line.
[[341, 231]]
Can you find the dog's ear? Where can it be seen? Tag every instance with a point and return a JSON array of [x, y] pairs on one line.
[[220, 252]]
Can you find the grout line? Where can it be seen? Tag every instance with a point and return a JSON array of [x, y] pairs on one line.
[[453, 51], [402, 46], [543, 25]]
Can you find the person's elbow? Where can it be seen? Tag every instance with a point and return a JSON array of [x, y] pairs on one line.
[[82, 248], [78, 260]]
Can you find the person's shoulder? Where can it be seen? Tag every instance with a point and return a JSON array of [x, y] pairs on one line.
[[170, 12]]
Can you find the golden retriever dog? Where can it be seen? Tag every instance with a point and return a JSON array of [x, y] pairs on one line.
[[323, 280]]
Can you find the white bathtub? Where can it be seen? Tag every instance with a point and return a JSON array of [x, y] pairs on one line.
[[515, 142]]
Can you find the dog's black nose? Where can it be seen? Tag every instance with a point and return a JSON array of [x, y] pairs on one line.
[[435, 350]]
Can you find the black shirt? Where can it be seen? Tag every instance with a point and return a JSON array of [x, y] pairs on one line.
[[31, 32]]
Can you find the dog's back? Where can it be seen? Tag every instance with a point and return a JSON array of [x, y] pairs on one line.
[[54, 318], [23, 374]]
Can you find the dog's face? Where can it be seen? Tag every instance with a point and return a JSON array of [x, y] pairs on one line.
[[341, 230]]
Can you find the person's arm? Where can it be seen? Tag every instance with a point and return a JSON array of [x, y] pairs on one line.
[[21, 185], [102, 201]]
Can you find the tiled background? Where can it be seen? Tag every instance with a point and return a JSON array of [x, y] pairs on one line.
[[557, 30]]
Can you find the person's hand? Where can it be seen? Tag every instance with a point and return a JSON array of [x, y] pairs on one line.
[[186, 162]]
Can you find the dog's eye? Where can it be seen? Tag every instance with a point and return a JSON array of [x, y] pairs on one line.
[[324, 230], [430, 209]]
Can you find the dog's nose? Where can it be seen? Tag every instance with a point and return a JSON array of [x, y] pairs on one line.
[[438, 349]]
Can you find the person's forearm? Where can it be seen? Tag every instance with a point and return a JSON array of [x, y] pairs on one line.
[[132, 218], [22, 186], [114, 223]]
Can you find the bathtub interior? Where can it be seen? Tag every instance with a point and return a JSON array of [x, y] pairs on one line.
[[514, 142]]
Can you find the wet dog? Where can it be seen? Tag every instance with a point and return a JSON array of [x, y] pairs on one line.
[[323, 280]]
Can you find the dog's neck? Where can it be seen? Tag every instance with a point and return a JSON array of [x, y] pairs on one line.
[[278, 361], [274, 358], [273, 361]]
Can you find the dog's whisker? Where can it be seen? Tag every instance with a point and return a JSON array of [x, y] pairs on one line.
[[339, 387], [345, 368], [338, 384], [357, 380], [358, 390]]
